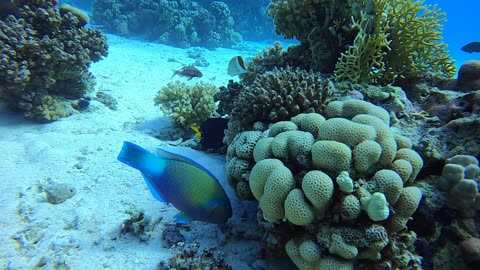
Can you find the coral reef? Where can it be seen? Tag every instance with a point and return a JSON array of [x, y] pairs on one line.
[[187, 105], [178, 23], [278, 95], [342, 178], [459, 179], [227, 96], [250, 18], [45, 59], [469, 76], [442, 123], [272, 57], [373, 41]]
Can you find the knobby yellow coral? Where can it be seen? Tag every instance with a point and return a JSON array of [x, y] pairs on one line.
[[187, 105]]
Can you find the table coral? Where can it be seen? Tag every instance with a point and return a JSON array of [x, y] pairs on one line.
[[45, 59]]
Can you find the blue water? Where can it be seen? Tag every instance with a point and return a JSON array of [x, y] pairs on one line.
[[462, 26]]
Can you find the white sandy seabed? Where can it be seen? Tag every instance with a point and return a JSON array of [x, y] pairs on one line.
[[84, 232]]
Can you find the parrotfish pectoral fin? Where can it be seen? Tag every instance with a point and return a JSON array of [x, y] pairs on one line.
[[154, 192], [183, 218]]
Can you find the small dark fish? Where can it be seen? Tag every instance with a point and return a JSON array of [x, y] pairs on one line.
[[472, 47], [212, 132], [179, 180], [7, 7], [189, 72]]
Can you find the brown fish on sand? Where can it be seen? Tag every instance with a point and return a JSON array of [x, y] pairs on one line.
[[188, 72], [472, 47]]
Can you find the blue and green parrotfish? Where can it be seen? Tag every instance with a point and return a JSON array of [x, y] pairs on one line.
[[180, 181]]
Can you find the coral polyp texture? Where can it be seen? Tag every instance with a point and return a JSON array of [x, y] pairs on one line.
[[342, 178], [187, 105], [45, 59], [178, 23], [278, 95], [386, 41]]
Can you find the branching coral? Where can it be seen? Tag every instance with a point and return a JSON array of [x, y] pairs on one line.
[[280, 94], [187, 105], [45, 59], [401, 40], [386, 42], [363, 61]]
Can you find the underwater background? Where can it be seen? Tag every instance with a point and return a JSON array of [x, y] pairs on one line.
[[460, 28], [253, 134]]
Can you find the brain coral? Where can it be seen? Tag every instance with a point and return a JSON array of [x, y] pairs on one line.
[[44, 60], [293, 182]]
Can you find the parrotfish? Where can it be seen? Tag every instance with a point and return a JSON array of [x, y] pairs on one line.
[[211, 132], [189, 72], [180, 181]]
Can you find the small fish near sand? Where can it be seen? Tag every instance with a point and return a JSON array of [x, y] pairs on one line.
[[212, 132], [178, 180], [188, 72], [472, 47], [236, 66]]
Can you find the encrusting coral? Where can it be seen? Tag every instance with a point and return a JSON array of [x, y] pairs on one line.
[[187, 105], [45, 59], [291, 170]]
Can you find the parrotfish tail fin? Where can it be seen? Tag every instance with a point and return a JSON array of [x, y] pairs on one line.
[[183, 218], [140, 159]]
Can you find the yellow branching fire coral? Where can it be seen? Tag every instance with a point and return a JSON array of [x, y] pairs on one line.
[[400, 39], [366, 41]]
